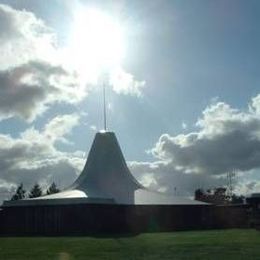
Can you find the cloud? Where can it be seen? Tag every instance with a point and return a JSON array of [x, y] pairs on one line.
[[226, 139], [24, 37], [27, 90], [163, 176], [6, 189], [33, 156], [93, 128], [248, 187], [184, 125], [254, 107], [60, 126], [125, 83], [31, 75]]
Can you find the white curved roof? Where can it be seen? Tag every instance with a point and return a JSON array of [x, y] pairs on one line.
[[106, 179]]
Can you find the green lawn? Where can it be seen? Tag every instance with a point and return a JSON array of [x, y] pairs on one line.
[[215, 244]]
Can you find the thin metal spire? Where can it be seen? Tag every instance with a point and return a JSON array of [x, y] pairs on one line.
[[104, 106]]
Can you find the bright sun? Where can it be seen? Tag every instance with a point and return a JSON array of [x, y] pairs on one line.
[[96, 44]]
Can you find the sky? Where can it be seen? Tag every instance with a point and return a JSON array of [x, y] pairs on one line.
[[182, 82]]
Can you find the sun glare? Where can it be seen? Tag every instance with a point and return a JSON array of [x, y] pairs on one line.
[[96, 43]]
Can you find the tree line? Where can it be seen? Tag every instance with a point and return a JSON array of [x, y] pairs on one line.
[[218, 196], [36, 191]]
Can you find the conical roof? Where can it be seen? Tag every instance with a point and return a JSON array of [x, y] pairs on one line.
[[106, 173]]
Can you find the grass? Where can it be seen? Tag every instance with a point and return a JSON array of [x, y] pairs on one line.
[[214, 244]]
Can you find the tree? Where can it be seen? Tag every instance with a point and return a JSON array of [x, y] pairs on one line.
[[52, 189], [36, 191], [218, 196], [237, 199], [19, 193], [199, 193]]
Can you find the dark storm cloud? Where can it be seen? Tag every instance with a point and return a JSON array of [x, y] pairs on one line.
[[28, 89]]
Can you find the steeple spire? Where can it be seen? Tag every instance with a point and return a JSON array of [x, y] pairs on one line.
[[104, 106]]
